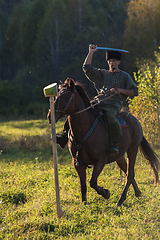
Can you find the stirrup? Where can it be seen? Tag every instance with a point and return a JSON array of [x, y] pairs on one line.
[[113, 150]]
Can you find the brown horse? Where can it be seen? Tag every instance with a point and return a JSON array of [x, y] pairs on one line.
[[89, 141]]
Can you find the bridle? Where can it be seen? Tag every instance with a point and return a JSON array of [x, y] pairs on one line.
[[65, 91], [60, 93]]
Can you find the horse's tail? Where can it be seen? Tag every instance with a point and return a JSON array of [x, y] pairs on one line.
[[151, 156]]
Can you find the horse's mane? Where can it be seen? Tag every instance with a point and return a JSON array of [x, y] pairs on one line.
[[83, 94], [80, 89]]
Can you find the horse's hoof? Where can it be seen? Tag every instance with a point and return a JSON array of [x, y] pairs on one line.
[[138, 194], [106, 194], [118, 204], [84, 202]]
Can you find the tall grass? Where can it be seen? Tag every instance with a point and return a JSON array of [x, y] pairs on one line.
[[27, 194]]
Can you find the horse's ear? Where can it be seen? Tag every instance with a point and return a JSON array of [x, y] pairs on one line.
[[71, 83], [60, 85]]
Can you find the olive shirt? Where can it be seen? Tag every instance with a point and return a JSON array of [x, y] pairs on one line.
[[104, 80]]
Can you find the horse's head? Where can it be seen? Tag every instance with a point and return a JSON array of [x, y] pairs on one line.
[[68, 99], [64, 98]]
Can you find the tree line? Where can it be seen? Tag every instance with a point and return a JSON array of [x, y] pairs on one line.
[[45, 41]]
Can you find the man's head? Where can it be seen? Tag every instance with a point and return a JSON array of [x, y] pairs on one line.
[[113, 58]]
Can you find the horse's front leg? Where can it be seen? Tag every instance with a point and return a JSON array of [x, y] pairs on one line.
[[81, 170], [98, 167]]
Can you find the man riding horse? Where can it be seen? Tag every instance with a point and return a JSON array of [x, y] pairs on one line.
[[115, 81]]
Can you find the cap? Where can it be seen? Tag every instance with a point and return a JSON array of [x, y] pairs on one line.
[[113, 55]]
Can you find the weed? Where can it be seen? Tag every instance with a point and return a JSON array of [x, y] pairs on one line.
[[28, 201]]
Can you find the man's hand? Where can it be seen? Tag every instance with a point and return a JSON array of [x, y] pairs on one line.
[[92, 48], [114, 90]]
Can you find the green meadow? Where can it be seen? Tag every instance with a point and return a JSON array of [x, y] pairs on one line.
[[27, 192]]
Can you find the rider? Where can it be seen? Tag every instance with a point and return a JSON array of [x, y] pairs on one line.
[[118, 83]]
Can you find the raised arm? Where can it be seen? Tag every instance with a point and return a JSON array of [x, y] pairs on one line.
[[92, 49]]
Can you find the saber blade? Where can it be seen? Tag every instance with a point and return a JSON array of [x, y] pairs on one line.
[[112, 49]]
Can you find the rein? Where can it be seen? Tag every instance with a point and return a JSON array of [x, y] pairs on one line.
[[85, 109], [79, 145]]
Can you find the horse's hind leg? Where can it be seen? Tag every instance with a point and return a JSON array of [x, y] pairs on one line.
[[123, 166], [98, 167], [132, 153]]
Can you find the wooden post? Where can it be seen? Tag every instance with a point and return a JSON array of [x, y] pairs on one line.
[[51, 91], [60, 213], [158, 119]]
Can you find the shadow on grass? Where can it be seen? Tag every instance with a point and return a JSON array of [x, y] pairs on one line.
[[14, 198], [35, 156]]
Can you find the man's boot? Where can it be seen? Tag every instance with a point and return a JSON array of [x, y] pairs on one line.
[[115, 136], [62, 139]]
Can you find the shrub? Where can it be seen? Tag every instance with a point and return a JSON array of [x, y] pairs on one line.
[[144, 107]]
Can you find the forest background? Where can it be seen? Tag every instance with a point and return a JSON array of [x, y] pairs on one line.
[[45, 41]]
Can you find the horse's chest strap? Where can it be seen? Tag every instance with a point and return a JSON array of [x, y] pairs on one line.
[[79, 145]]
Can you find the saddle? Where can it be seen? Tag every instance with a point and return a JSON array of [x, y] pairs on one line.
[[121, 121]]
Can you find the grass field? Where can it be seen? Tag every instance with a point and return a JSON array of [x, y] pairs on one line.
[[27, 194]]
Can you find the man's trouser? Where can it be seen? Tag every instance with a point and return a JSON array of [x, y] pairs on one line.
[[114, 128]]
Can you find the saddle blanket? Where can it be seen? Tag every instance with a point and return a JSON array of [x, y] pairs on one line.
[[122, 122]]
